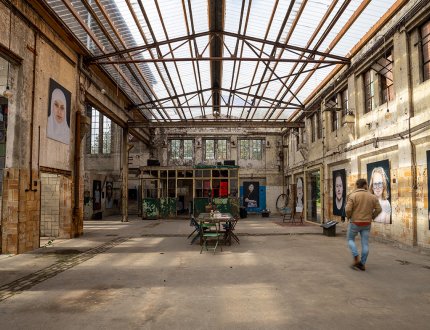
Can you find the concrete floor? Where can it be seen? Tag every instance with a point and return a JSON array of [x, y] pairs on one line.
[[146, 275]]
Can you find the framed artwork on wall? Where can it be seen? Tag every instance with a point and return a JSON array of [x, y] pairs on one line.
[[97, 195], [251, 195], [378, 177], [58, 127], [299, 194], [339, 192], [109, 194]]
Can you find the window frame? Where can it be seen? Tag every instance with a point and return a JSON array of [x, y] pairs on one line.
[[217, 149], [386, 89], [369, 91], [251, 149], [178, 149], [313, 127], [100, 136], [425, 44], [344, 101], [334, 119]]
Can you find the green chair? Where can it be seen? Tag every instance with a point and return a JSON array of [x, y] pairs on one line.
[[209, 232], [287, 214]]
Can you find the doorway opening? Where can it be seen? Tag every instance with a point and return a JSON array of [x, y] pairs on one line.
[[49, 207], [313, 211]]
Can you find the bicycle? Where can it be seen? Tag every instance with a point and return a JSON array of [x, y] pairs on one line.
[[282, 201]]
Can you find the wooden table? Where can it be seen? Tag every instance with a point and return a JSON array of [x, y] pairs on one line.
[[217, 218]]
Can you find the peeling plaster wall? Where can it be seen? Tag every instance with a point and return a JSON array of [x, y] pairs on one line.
[[28, 148], [267, 170], [353, 146]]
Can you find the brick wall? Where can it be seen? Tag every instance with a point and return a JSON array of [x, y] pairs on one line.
[[20, 212]]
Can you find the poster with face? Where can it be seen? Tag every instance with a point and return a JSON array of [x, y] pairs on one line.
[[299, 194], [428, 185], [109, 195], [251, 194], [378, 177], [97, 195], [58, 127], [339, 192]]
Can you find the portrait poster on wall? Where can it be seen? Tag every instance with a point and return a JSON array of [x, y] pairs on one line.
[[251, 194], [339, 192], [97, 195], [378, 177], [109, 194], [58, 127], [428, 185], [299, 194]]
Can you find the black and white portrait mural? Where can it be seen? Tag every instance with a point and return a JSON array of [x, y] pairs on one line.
[[299, 194], [378, 176], [58, 127], [339, 192], [251, 197], [97, 195], [109, 194]]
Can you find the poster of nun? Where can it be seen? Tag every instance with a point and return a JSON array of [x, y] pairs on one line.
[[339, 192], [428, 185], [58, 127], [378, 176]]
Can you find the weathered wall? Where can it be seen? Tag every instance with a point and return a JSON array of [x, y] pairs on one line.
[[266, 171], [397, 131], [50, 205], [44, 56]]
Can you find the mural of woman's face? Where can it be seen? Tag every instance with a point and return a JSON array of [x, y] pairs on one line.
[[339, 188], [299, 189], [378, 184], [59, 111], [109, 191]]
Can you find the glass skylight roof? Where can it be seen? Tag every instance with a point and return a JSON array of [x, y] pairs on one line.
[[189, 60]]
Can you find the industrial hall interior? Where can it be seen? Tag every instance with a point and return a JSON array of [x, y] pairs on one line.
[[169, 109]]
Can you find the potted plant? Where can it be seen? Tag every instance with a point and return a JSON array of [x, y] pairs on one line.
[[265, 213]]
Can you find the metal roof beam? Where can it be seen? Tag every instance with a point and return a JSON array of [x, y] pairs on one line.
[[219, 34], [147, 46], [286, 47], [224, 58], [216, 10], [218, 123]]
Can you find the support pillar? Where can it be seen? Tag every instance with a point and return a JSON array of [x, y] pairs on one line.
[[124, 174]]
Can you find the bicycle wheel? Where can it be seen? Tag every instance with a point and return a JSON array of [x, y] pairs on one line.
[[281, 202]]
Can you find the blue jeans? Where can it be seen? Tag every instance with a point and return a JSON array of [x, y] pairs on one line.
[[364, 231]]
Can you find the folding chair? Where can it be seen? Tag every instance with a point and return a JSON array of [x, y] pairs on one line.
[[196, 225], [212, 233], [229, 231]]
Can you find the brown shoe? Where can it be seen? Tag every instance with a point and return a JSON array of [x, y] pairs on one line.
[[360, 266], [357, 265]]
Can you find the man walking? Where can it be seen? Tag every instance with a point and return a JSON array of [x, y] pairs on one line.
[[361, 208]]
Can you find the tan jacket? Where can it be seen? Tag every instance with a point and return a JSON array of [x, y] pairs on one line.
[[362, 206]]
